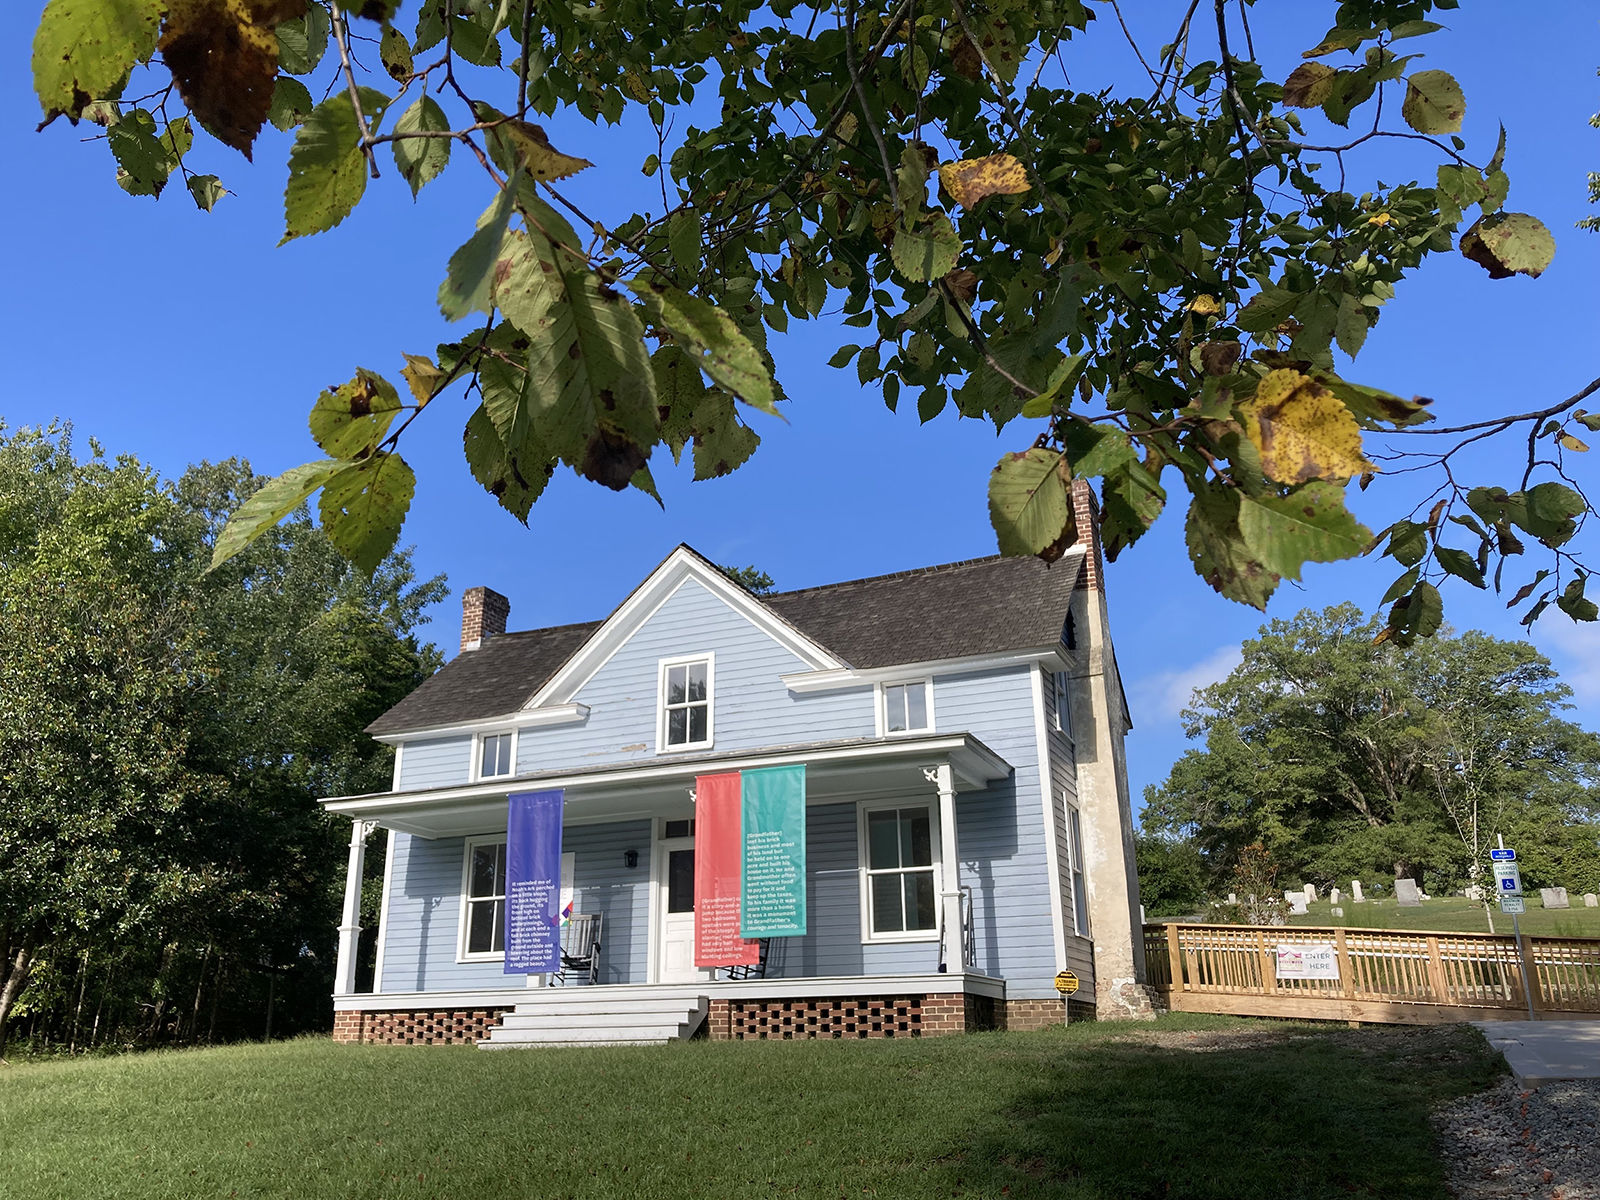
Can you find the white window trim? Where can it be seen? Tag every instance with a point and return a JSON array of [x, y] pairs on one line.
[[1075, 865], [881, 708], [868, 937], [710, 659], [477, 753], [1061, 689], [462, 956]]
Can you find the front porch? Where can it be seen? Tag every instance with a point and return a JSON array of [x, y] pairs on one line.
[[853, 1007]]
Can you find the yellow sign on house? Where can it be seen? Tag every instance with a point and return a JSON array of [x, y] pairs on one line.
[[1066, 983]]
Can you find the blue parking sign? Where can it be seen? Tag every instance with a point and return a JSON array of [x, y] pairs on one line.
[[1503, 855]]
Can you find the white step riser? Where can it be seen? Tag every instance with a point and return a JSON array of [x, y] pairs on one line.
[[591, 1020], [563, 1045], [654, 1033]]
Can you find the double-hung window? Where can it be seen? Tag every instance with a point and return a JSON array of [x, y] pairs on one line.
[[1080, 895], [483, 919], [1063, 717], [685, 703], [495, 755], [906, 707], [901, 876]]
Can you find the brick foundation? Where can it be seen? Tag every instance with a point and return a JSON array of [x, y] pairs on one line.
[[1043, 1014], [440, 1027], [852, 1017]]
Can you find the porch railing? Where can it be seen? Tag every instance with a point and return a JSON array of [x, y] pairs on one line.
[[1403, 976]]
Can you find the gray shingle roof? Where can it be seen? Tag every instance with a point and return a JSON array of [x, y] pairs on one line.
[[980, 606]]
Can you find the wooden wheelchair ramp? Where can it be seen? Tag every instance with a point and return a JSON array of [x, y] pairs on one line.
[[1385, 975]]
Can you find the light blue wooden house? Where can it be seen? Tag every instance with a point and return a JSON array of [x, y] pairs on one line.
[[968, 831]]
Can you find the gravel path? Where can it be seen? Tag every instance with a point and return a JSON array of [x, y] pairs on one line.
[[1507, 1143]]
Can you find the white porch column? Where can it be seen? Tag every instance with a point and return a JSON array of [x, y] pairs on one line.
[[954, 955], [344, 973]]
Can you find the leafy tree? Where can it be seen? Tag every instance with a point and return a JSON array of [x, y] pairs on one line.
[[167, 734], [751, 579], [1342, 755], [1162, 269], [1173, 879]]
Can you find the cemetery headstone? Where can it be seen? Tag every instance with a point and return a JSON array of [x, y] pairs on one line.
[[1311, 891], [1232, 898], [1297, 904], [1553, 897], [1338, 912], [1333, 896], [1355, 892], [1590, 900], [1407, 893]]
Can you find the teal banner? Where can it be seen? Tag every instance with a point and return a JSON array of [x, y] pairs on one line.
[[772, 869]]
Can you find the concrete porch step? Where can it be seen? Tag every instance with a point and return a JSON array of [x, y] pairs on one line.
[[601, 1019]]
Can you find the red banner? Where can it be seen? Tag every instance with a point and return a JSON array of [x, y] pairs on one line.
[[717, 810]]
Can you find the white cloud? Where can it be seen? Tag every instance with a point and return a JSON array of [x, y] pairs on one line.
[[1574, 647], [1159, 698]]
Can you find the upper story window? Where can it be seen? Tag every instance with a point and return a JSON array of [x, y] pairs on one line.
[[483, 902], [495, 755], [686, 686], [1063, 709], [899, 873], [906, 707]]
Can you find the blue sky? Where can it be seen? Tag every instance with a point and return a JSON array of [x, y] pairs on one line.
[[175, 335]]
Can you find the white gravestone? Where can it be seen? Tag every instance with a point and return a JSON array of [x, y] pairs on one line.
[[1297, 904], [1407, 893], [1311, 892], [1553, 897], [1590, 900], [1232, 898], [1355, 892], [1338, 912], [1291, 897], [1333, 896]]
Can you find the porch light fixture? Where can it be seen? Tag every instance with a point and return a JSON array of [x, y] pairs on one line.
[[630, 859]]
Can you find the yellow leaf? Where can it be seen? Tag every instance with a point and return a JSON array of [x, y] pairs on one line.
[[1382, 218], [421, 376], [542, 160], [1302, 430], [972, 179], [1572, 443], [1206, 306]]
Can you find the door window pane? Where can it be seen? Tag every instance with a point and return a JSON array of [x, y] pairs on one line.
[[680, 881]]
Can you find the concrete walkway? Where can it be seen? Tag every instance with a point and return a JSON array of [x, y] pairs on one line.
[[1545, 1051]]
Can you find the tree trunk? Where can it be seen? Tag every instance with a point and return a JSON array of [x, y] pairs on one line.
[[16, 977]]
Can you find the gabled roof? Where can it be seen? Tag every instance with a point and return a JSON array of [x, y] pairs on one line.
[[959, 610]]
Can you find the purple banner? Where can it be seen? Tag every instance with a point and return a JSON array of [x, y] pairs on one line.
[[533, 883]]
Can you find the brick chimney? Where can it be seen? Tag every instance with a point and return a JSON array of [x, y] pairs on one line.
[[483, 615], [1086, 513]]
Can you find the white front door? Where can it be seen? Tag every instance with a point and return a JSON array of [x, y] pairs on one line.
[[675, 953]]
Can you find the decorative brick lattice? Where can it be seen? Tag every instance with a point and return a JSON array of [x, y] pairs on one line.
[[447, 1027], [832, 1017]]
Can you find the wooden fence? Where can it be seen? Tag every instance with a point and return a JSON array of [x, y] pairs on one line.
[[1386, 975]]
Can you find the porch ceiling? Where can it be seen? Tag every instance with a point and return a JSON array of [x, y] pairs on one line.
[[835, 771]]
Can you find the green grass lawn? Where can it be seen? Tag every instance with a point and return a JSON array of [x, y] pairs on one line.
[[1455, 914], [1191, 1106]]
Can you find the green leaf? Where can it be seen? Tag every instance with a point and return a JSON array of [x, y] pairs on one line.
[[1418, 615], [1550, 512], [722, 443], [1217, 547], [1310, 524], [83, 50], [144, 161], [421, 159], [927, 252], [473, 43], [327, 171], [1350, 329], [1133, 498], [1096, 450], [269, 504], [469, 281], [303, 41], [711, 339], [514, 478], [912, 180], [1507, 244], [1408, 543], [1460, 564], [1434, 103], [206, 190], [351, 420], [1572, 601], [523, 288], [1269, 307], [291, 104], [1337, 39], [1402, 585], [363, 507], [394, 52], [683, 237], [1029, 505], [1062, 380]]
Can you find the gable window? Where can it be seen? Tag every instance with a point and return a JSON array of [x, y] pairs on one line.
[[483, 915], [1063, 716], [899, 873], [1080, 895], [906, 708], [495, 756], [685, 703]]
